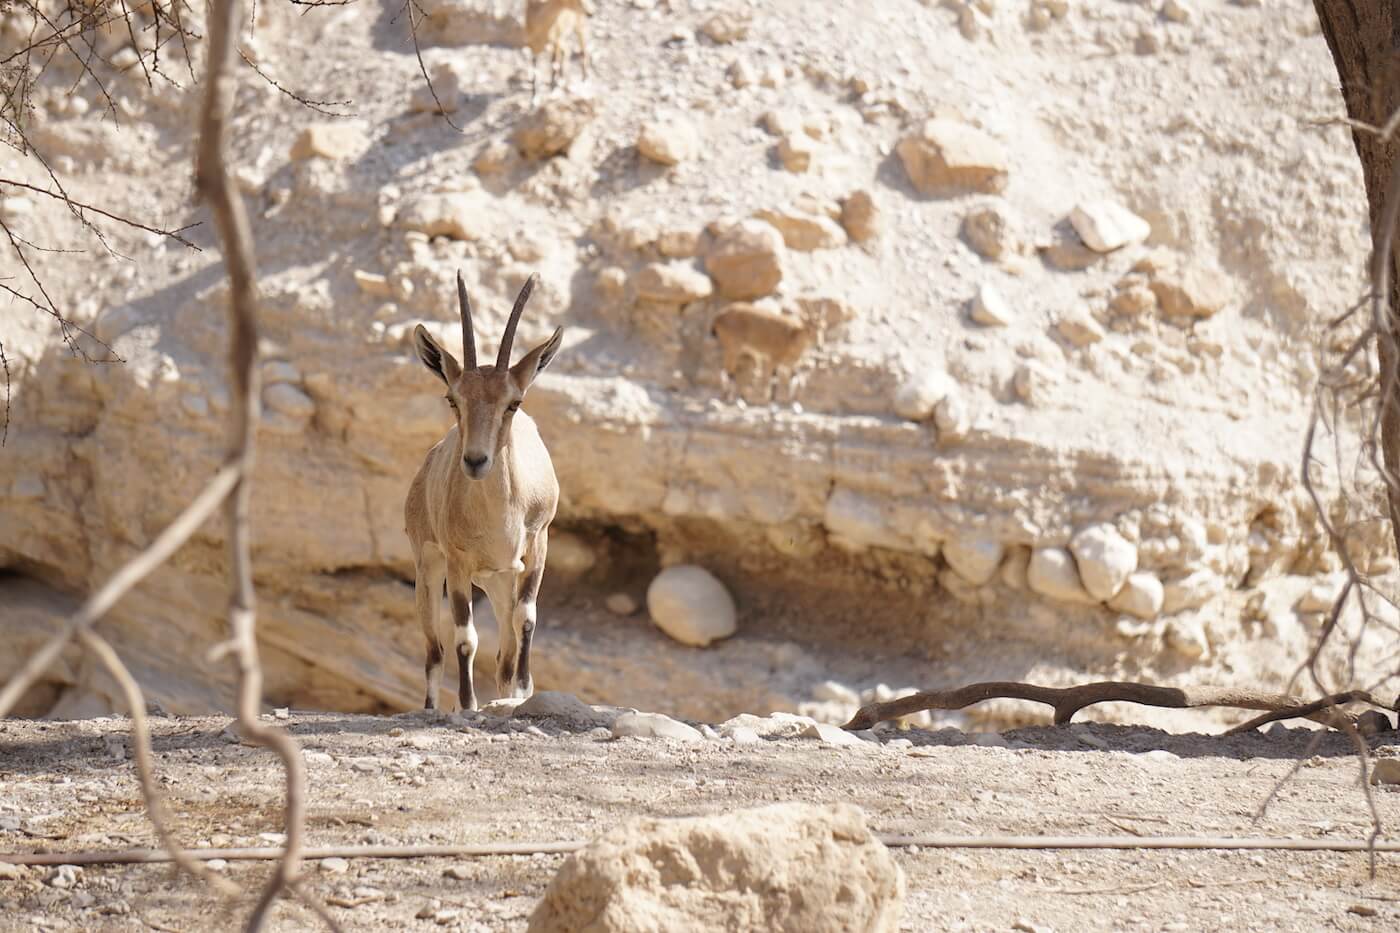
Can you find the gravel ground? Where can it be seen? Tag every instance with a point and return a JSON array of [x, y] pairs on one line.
[[446, 779]]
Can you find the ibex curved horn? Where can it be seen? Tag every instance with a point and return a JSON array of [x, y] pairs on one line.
[[468, 337], [503, 358]]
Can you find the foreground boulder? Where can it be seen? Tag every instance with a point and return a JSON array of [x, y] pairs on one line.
[[787, 867]]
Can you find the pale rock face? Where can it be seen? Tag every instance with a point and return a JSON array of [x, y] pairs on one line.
[[1141, 596], [919, 395], [974, 559], [1052, 573], [672, 283], [337, 141], [654, 726], [788, 868], [949, 157], [1105, 226], [746, 260], [689, 604], [1105, 560], [669, 141]]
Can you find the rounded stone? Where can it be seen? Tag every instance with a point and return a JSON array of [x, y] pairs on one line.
[[689, 604]]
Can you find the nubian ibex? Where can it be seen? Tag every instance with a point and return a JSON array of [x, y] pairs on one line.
[[547, 24], [479, 509]]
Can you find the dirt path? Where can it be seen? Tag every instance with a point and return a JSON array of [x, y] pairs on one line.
[[409, 779]]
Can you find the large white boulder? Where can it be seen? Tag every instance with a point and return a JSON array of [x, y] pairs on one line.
[[688, 603], [786, 868]]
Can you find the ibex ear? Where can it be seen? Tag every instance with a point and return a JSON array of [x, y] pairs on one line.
[[534, 362], [434, 356]]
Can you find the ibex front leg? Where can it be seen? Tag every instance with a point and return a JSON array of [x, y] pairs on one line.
[[428, 582], [459, 596]]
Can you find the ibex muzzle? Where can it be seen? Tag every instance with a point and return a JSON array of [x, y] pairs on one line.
[[479, 509]]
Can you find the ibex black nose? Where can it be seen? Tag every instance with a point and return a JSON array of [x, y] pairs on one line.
[[476, 465]]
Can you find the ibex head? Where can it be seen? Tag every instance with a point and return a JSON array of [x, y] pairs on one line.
[[485, 398]]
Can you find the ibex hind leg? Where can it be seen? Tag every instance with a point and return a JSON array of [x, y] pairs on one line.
[[429, 579]]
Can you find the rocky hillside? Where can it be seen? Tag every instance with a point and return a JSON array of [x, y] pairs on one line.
[[1037, 289]]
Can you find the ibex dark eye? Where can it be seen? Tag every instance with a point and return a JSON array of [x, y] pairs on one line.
[[513, 406]]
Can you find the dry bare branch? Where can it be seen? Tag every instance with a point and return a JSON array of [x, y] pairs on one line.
[[215, 186], [1066, 701], [145, 767]]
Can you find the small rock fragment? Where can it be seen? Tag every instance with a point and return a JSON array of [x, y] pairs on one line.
[[691, 605], [620, 604], [334, 865], [1385, 771], [952, 418], [1105, 226], [991, 231], [553, 127], [65, 877], [1079, 328], [1187, 636], [803, 231], [654, 726], [746, 260], [672, 283], [335, 141], [669, 142], [974, 559], [860, 216], [989, 308], [1052, 572], [917, 397], [1196, 291], [456, 215], [743, 735], [288, 400], [796, 152], [1141, 596], [829, 734], [727, 26], [1191, 592], [946, 157], [1105, 560]]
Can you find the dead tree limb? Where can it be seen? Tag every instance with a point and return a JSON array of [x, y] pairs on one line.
[[1066, 701], [213, 182]]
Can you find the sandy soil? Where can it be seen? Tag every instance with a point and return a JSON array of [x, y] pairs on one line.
[[418, 779]]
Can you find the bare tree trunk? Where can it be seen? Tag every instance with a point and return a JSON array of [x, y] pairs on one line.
[[1364, 37]]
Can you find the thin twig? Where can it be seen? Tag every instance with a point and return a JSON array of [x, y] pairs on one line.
[[893, 840]]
